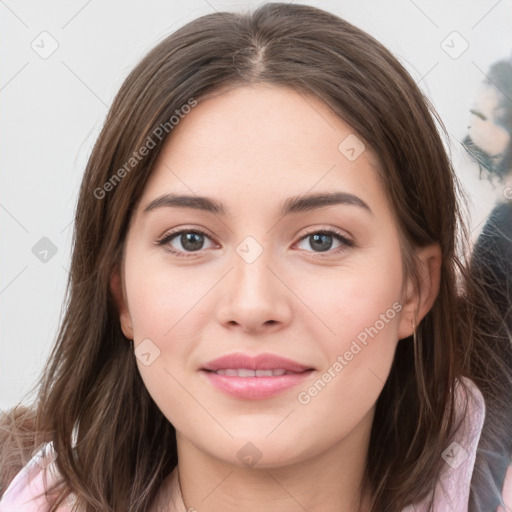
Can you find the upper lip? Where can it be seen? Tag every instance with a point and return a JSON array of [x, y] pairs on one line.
[[259, 362]]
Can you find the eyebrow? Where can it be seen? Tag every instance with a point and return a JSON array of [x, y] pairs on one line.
[[478, 114], [295, 204]]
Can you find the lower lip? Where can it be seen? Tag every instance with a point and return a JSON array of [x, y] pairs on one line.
[[256, 388]]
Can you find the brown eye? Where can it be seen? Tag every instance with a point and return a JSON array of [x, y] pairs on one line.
[[188, 241], [192, 241]]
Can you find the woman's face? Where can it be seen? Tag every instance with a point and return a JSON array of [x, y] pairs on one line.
[[484, 129], [257, 274]]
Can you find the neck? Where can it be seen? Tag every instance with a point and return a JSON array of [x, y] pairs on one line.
[[327, 482]]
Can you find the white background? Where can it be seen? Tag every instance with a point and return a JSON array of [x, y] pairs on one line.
[[52, 110]]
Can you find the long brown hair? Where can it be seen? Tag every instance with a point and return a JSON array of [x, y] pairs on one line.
[[125, 446]]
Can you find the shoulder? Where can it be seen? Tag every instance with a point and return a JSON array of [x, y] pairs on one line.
[[26, 493], [476, 415], [17, 442], [499, 223]]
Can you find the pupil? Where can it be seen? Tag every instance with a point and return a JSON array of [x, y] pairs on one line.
[[192, 241], [324, 241]]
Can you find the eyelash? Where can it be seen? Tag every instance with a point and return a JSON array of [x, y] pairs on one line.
[[347, 244]]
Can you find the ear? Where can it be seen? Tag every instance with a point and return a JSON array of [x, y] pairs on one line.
[[119, 295], [419, 300]]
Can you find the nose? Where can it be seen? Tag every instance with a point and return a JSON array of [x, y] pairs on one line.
[[254, 296]]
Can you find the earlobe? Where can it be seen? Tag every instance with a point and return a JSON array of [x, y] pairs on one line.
[[420, 298], [119, 296]]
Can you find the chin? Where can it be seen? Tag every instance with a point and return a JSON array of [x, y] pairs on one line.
[[260, 452], [484, 159]]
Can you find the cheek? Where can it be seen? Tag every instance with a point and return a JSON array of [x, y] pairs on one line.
[[163, 303], [361, 307], [165, 322], [364, 314], [161, 297], [359, 298], [491, 138], [366, 327]]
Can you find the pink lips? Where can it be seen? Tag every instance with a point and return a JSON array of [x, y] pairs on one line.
[[255, 387]]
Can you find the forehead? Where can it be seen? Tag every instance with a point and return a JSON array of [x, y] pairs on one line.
[[253, 141], [262, 117], [488, 98]]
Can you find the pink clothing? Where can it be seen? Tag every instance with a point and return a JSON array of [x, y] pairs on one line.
[[451, 493]]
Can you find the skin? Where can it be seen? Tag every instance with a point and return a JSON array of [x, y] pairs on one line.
[[293, 300], [483, 129]]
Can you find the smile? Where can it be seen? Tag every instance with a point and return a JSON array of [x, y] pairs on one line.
[[254, 384]]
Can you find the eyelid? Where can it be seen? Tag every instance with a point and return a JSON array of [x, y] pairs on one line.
[[345, 241], [170, 235], [334, 231]]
